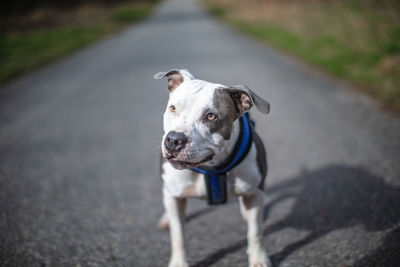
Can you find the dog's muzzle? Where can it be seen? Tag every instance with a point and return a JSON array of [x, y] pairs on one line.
[[175, 142]]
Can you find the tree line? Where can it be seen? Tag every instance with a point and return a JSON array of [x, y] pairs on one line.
[[24, 6]]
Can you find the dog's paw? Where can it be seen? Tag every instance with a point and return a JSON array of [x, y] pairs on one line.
[[163, 224], [178, 263], [259, 259]]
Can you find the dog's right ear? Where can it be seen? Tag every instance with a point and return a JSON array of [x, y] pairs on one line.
[[175, 77]]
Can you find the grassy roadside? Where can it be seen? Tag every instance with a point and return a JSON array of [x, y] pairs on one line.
[[355, 40], [49, 34]]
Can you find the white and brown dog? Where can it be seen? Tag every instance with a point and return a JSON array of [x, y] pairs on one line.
[[202, 128]]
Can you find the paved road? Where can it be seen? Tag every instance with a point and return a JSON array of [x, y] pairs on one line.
[[79, 144]]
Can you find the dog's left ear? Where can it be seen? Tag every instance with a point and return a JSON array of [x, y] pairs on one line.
[[175, 77], [244, 98]]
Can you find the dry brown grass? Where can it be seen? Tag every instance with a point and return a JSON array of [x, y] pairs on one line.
[[338, 18]]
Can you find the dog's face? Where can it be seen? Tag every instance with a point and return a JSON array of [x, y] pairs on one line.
[[198, 120]]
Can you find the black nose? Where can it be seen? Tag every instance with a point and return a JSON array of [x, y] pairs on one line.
[[174, 141]]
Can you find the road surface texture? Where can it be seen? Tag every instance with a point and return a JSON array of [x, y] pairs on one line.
[[79, 149]]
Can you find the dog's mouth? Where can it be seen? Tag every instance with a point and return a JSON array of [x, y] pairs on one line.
[[180, 164]]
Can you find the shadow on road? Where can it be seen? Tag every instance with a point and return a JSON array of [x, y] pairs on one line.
[[387, 255], [326, 200]]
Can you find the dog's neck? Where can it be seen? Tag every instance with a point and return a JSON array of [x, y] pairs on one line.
[[229, 145]]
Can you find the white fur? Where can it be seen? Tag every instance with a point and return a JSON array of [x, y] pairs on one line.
[[190, 99]]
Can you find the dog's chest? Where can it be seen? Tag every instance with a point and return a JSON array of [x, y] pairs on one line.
[[242, 180]]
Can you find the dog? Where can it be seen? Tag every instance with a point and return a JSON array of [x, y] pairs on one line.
[[204, 126]]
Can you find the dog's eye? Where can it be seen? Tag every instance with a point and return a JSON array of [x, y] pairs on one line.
[[172, 108], [211, 116]]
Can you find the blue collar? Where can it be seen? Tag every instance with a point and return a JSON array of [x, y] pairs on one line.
[[216, 177]]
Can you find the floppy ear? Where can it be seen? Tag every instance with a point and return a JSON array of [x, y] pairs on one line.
[[244, 98], [175, 77]]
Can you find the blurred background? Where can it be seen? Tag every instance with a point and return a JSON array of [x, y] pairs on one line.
[[356, 40], [351, 39], [34, 33], [81, 126]]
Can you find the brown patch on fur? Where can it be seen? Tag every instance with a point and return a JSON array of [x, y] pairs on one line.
[[163, 224], [189, 191], [174, 80], [174, 77], [244, 98], [242, 102]]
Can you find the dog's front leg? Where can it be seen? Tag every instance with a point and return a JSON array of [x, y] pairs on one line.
[[175, 208], [251, 208]]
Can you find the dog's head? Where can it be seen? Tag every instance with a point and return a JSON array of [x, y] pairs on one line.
[[198, 120]]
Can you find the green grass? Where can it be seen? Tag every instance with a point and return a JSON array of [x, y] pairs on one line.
[[24, 51], [216, 11], [129, 14], [333, 52], [323, 51]]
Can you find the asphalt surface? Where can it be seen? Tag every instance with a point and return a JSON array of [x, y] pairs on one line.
[[79, 146]]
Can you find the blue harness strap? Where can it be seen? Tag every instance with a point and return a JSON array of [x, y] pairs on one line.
[[215, 178], [216, 188]]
